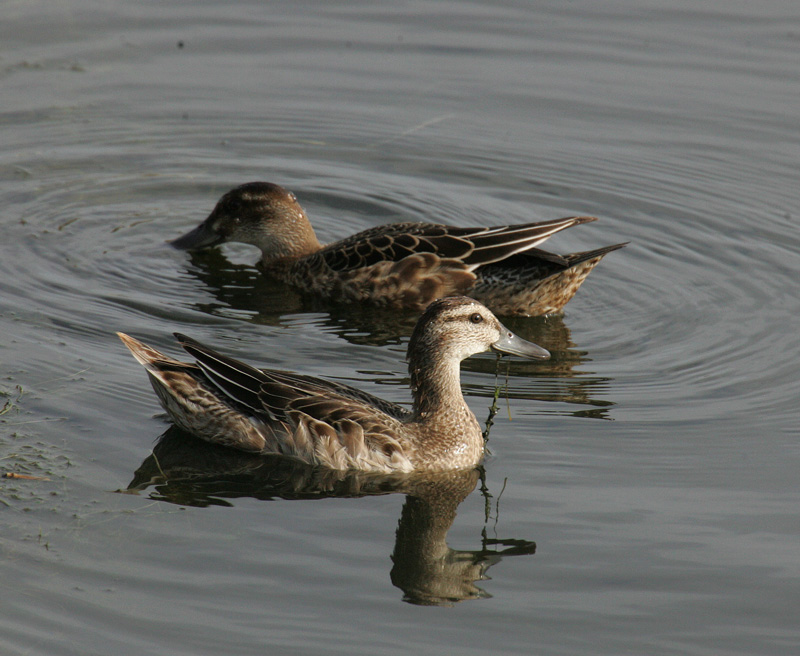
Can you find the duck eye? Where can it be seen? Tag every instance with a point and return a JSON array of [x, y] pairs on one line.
[[476, 317]]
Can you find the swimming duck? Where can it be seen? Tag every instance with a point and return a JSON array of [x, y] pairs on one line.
[[401, 265], [324, 423]]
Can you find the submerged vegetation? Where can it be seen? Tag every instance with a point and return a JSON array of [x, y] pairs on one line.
[[12, 399]]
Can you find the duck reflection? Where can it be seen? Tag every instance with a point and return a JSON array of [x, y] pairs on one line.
[[186, 471], [428, 571], [244, 290]]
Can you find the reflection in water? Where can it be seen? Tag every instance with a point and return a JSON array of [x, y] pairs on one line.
[[186, 471], [242, 288], [428, 571], [558, 381], [247, 292]]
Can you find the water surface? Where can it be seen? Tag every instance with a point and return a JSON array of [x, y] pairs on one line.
[[641, 491]]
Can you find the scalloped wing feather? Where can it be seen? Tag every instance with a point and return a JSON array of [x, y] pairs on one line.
[[413, 282], [472, 246], [411, 264]]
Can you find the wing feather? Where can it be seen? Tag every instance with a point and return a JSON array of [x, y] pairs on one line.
[[472, 246], [235, 379]]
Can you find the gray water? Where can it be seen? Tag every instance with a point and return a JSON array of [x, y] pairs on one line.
[[641, 495]]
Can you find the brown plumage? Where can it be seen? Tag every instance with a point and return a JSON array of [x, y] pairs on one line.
[[320, 422], [403, 265]]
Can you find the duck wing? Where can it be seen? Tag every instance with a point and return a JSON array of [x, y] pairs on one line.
[[270, 390], [471, 247], [408, 265], [317, 421]]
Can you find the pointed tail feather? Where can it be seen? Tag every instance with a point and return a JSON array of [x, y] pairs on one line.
[[146, 355], [235, 379], [577, 258]]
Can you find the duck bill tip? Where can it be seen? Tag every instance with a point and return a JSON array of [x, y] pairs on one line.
[[200, 237], [511, 344]]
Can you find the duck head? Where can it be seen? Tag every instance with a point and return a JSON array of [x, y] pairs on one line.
[[458, 327], [259, 213]]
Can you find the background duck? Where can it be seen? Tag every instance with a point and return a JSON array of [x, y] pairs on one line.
[[319, 422], [402, 265]]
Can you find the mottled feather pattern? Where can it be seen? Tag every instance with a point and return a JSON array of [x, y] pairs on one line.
[[317, 421], [282, 386], [392, 243], [193, 404], [411, 264], [295, 404], [413, 282], [507, 285]]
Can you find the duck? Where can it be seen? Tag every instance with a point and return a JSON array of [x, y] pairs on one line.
[[332, 425], [400, 265]]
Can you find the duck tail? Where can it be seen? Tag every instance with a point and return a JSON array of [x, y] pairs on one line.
[[577, 258], [150, 358]]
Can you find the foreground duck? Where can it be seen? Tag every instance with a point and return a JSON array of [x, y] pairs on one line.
[[401, 265], [324, 423]]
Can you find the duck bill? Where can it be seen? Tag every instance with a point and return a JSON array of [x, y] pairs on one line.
[[512, 344], [201, 237]]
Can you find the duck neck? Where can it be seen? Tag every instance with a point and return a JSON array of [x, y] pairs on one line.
[[436, 386], [296, 239], [306, 242]]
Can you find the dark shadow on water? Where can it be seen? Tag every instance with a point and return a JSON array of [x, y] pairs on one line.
[[186, 471], [243, 288], [266, 301]]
